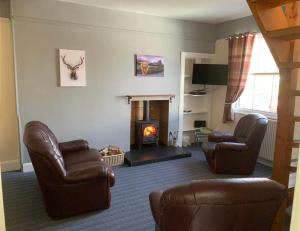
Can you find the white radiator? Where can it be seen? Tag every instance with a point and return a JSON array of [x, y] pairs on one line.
[[266, 154]]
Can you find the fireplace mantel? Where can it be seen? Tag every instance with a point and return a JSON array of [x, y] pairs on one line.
[[150, 97]]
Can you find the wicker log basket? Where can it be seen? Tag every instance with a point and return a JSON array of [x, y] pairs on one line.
[[113, 155]]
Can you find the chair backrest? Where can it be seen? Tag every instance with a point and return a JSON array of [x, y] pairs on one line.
[[221, 204], [44, 152], [251, 130]]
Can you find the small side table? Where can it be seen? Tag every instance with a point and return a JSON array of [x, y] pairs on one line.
[[201, 134]]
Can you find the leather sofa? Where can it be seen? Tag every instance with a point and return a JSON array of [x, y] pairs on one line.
[[236, 153], [246, 204], [73, 178]]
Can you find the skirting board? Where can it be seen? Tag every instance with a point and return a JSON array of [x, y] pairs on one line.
[[11, 165], [27, 167], [265, 162]]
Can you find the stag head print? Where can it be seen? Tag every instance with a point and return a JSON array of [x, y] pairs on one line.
[[73, 69], [72, 64]]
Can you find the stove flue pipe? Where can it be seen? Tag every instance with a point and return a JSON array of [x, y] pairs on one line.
[[146, 110]]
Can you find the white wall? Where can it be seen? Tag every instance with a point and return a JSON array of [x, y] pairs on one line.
[[246, 24], [97, 112]]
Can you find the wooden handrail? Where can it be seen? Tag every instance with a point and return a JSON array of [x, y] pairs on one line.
[[290, 33], [294, 93], [294, 144], [287, 65]]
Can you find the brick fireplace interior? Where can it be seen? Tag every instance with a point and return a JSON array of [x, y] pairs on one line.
[[157, 121]]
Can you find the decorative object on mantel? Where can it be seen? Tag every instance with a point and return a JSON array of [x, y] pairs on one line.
[[169, 97], [149, 66], [72, 68], [113, 155]]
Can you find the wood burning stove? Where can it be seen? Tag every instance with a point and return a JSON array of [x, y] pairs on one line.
[[147, 130]]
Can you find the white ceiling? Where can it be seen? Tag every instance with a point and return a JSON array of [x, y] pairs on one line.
[[208, 11]]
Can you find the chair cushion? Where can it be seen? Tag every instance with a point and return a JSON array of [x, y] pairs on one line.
[[86, 171], [80, 157]]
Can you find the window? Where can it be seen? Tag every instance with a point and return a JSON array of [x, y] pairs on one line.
[[261, 90]]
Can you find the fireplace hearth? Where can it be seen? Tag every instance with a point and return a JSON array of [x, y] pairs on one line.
[[153, 154]]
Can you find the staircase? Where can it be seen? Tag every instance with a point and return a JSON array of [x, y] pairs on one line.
[[279, 22]]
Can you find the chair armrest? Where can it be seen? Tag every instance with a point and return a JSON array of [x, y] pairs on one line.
[[73, 146], [231, 146], [90, 173], [218, 137], [233, 158], [154, 199]]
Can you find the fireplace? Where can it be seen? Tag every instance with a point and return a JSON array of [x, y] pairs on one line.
[[149, 123], [147, 130]]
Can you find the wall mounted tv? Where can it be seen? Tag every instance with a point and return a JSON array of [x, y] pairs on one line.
[[210, 74]]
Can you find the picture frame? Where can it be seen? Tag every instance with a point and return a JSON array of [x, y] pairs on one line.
[[149, 66], [72, 68]]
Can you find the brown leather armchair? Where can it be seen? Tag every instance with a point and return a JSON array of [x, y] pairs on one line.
[[73, 178], [236, 153], [220, 204]]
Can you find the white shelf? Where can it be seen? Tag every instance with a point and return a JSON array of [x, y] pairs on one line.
[[199, 104], [186, 94], [195, 112]]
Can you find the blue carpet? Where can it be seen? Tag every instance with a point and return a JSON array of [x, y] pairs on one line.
[[130, 210]]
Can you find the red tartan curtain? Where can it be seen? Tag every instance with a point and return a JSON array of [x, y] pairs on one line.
[[240, 51]]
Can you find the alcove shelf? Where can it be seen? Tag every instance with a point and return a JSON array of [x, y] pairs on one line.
[[198, 104]]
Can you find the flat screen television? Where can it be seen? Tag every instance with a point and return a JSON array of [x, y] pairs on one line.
[[210, 74]]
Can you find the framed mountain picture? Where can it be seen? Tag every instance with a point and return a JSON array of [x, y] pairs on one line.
[[149, 66]]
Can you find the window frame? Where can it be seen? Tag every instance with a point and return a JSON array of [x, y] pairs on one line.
[[239, 110], [244, 111]]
